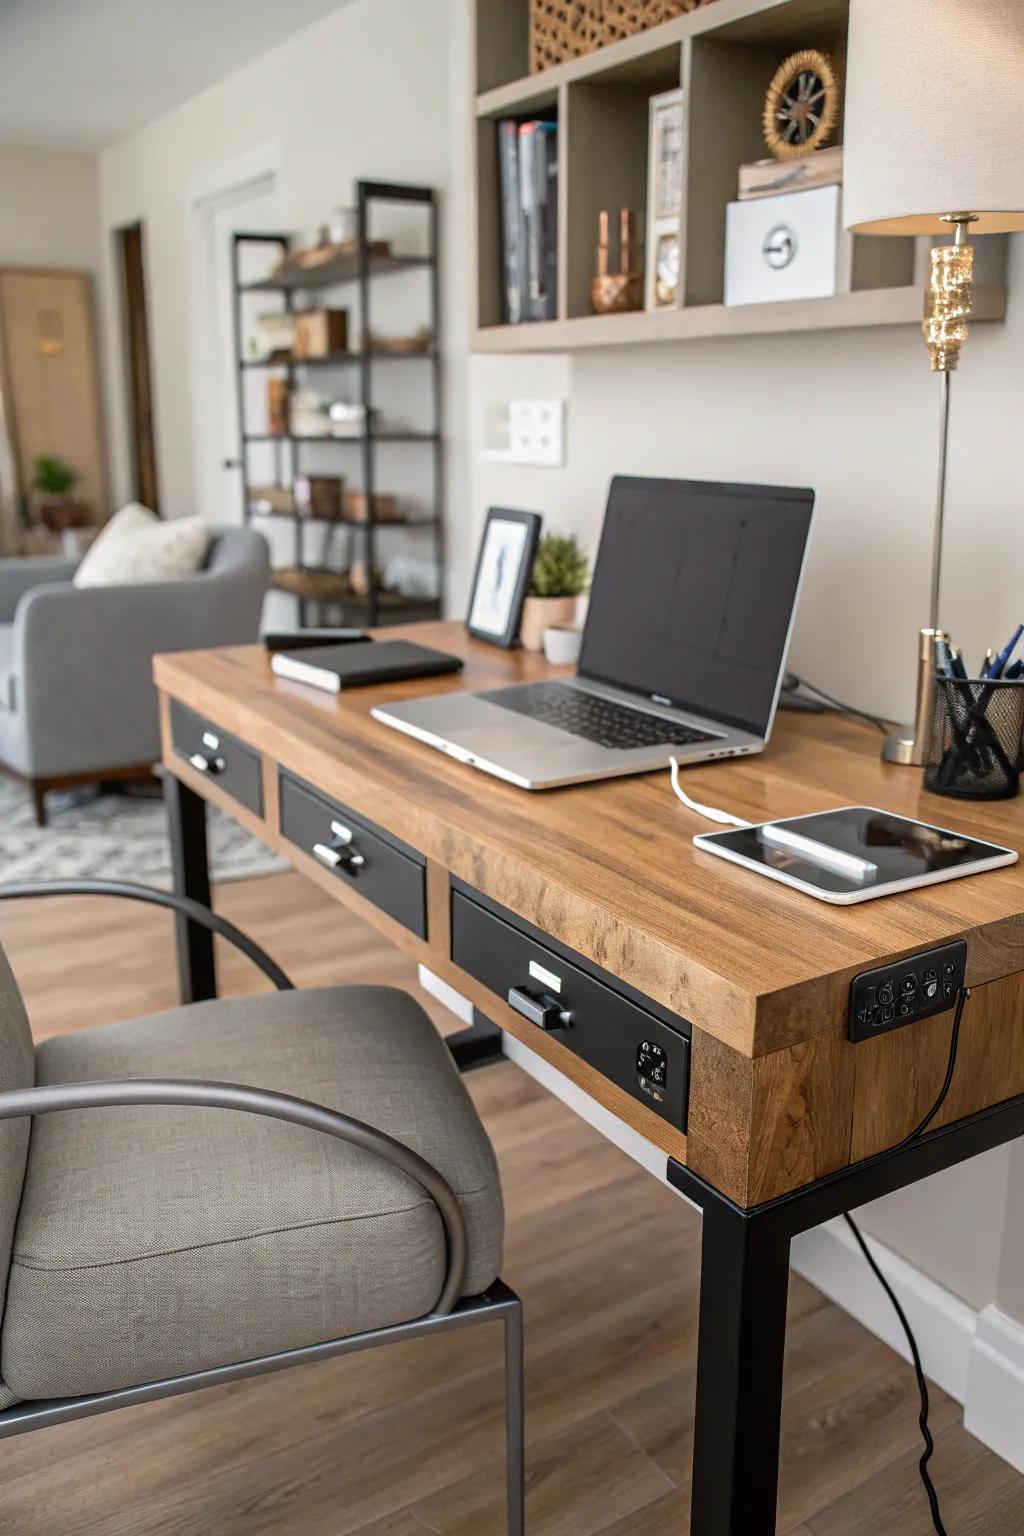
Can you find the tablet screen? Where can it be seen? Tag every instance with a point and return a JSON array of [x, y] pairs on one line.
[[854, 850]]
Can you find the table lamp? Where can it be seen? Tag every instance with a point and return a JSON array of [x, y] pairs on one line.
[[934, 145]]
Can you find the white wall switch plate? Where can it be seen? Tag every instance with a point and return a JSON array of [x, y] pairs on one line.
[[526, 432]]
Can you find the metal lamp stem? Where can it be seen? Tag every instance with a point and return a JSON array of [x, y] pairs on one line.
[[940, 499], [945, 331]]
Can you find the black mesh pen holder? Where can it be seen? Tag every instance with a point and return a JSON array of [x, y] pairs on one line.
[[974, 746]]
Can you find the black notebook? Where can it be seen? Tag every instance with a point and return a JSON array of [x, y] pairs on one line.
[[334, 667]]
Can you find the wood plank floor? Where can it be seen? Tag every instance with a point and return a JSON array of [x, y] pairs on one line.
[[402, 1441]]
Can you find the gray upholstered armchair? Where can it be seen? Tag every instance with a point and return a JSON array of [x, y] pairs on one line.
[[180, 1229], [77, 701]]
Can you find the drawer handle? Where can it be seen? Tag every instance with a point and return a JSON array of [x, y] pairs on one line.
[[343, 858], [204, 764], [545, 1011]]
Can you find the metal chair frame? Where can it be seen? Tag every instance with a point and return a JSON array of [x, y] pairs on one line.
[[498, 1303]]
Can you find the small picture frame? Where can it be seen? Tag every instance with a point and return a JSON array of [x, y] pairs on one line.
[[664, 199], [504, 564]]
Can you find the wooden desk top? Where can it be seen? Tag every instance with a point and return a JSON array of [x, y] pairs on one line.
[[610, 868]]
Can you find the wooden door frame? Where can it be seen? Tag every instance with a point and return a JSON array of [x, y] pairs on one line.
[[131, 251], [211, 193]]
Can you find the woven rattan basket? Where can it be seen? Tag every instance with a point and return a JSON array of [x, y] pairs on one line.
[[566, 29]]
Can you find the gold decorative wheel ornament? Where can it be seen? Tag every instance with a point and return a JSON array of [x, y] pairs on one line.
[[802, 105]]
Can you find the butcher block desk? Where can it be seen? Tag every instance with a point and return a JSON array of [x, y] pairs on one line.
[[701, 1007]]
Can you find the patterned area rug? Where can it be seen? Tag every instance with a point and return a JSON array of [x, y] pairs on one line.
[[95, 836]]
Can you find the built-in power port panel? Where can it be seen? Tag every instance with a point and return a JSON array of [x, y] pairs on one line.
[[906, 990]]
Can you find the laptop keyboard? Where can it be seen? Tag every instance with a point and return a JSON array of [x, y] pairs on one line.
[[599, 720]]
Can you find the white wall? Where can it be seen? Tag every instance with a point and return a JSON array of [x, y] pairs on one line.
[[363, 93], [49, 209]]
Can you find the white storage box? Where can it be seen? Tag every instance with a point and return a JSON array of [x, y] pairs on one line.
[[782, 247]]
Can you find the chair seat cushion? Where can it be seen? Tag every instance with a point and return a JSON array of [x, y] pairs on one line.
[[154, 1241]]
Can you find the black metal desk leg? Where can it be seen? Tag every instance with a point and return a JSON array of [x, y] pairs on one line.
[[743, 1295], [476, 1046], [186, 822]]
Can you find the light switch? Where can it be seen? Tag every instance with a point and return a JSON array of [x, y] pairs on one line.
[[526, 432]]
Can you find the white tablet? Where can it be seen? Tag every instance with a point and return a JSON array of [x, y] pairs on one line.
[[854, 854]]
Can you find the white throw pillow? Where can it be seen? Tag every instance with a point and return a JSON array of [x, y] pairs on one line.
[[137, 547]]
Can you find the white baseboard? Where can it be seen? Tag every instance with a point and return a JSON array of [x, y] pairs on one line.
[[943, 1324], [994, 1411]]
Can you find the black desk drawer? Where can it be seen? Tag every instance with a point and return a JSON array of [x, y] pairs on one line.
[[234, 766], [389, 873], [626, 1039]]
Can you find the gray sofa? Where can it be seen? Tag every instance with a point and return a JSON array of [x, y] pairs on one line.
[[77, 701]]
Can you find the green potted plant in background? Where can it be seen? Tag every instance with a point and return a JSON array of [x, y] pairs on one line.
[[559, 577], [59, 511]]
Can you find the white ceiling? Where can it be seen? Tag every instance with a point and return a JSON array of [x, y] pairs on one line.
[[80, 74]]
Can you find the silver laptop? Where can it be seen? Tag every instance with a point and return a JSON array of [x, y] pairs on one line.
[[691, 610]]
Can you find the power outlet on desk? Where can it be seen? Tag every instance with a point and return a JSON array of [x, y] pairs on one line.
[[907, 990]]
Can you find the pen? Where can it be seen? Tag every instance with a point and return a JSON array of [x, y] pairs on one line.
[[957, 664], [996, 669], [990, 657], [944, 658], [1012, 673]]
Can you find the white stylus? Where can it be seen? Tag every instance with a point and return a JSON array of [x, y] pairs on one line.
[[847, 864]]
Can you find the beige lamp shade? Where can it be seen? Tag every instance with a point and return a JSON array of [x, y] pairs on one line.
[[934, 117]]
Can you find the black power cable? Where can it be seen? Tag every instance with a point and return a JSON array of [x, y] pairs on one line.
[[922, 1385], [915, 1353], [841, 708]]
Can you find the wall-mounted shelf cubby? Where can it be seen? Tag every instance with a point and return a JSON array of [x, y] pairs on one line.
[[723, 55]]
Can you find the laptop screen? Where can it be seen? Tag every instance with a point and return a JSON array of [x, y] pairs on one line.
[[693, 594]]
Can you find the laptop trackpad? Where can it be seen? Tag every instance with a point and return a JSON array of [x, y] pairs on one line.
[[491, 731]]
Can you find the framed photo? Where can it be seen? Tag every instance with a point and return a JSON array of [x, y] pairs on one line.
[[664, 198], [503, 568]]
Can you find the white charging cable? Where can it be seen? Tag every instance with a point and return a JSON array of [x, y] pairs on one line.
[[722, 817]]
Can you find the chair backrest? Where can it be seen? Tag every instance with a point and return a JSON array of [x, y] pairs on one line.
[[237, 550], [17, 1070]]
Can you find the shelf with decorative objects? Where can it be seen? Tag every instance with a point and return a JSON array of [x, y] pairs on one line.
[[672, 126], [341, 437], [341, 359], [294, 482], [333, 271]]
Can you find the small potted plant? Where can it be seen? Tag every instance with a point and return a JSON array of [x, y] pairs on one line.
[[559, 577], [59, 511]]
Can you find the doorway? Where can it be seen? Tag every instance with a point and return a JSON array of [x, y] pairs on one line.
[[251, 205], [140, 386]]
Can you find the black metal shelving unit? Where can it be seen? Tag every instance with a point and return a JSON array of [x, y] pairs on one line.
[[325, 585]]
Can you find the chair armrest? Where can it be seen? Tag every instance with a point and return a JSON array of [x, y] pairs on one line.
[[19, 1102], [20, 576], [195, 911]]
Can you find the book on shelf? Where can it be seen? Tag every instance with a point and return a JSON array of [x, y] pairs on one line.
[[770, 178], [528, 171], [508, 159]]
